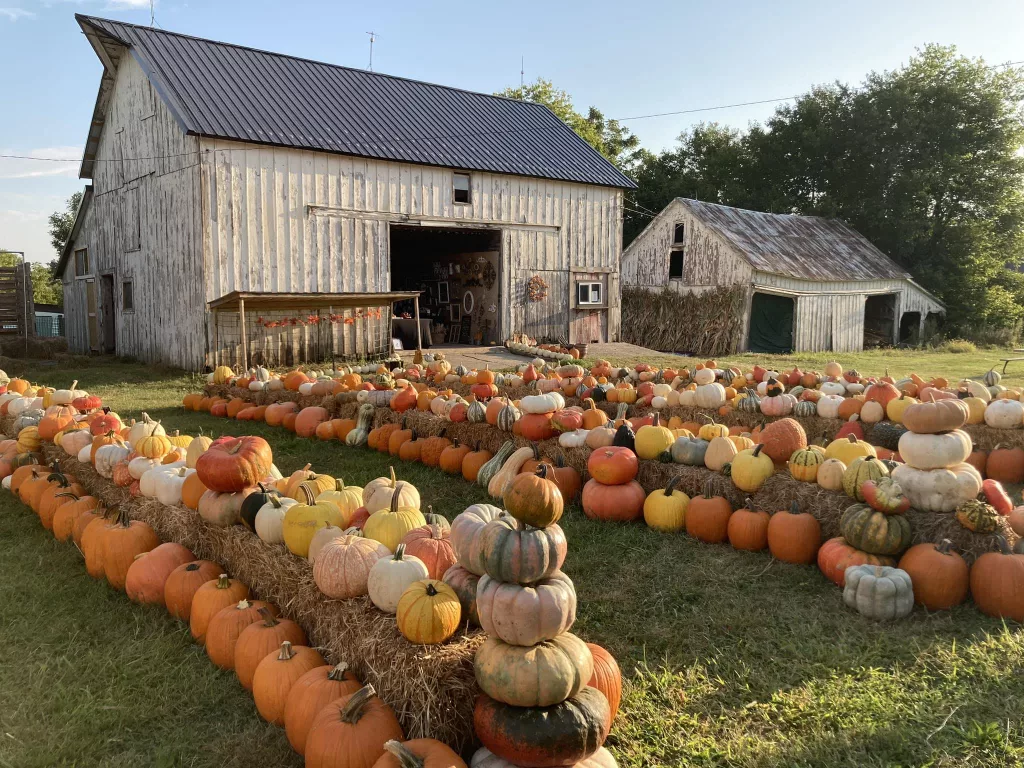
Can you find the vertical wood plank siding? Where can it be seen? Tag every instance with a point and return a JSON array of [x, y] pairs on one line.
[[143, 149], [279, 219], [829, 314]]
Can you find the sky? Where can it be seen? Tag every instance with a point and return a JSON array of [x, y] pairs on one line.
[[627, 59]]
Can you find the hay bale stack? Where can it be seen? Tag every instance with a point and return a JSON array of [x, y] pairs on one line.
[[431, 688]]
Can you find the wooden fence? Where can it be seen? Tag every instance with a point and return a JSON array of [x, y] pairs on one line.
[[16, 306]]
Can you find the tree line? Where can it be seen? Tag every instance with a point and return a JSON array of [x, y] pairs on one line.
[[926, 161]]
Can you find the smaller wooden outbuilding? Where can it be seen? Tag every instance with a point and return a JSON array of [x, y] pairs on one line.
[[812, 284]]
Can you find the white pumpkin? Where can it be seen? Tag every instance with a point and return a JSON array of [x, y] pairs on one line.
[[659, 403], [704, 376], [66, 396], [148, 481], [391, 576], [828, 406], [689, 397], [672, 399], [575, 439], [710, 396], [85, 453], [257, 386], [661, 390], [269, 522], [833, 388], [1005, 414], [108, 456], [138, 466], [169, 485], [6, 482], [872, 412], [547, 403], [275, 385], [855, 388], [935, 451], [938, 490]]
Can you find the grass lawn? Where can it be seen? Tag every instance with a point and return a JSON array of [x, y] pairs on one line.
[[731, 659]]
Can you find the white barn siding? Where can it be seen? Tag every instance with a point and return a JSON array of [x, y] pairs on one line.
[[279, 219], [146, 177]]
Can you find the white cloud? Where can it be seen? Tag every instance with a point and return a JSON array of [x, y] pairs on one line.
[[13, 14], [45, 161]]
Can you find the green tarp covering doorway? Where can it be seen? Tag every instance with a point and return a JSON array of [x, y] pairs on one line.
[[771, 324]]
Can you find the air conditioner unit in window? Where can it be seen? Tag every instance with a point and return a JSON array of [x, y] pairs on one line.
[[589, 293]]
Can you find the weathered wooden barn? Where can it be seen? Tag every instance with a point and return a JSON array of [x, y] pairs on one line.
[[813, 284], [222, 173]]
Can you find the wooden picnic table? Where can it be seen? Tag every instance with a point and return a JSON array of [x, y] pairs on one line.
[[1007, 360]]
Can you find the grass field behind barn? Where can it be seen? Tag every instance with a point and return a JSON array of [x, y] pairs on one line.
[[730, 659]]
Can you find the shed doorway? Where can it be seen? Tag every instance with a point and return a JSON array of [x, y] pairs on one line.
[[771, 323], [459, 272], [880, 321], [910, 328]]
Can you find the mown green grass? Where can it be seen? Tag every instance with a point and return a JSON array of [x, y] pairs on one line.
[[731, 659]]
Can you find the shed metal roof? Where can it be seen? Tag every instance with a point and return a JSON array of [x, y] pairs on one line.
[[801, 247], [232, 92]]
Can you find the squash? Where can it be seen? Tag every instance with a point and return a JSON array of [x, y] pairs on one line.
[[935, 451], [364, 421], [504, 476], [720, 451], [487, 472], [938, 490], [537, 676]]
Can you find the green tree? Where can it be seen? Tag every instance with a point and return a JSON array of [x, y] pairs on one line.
[[45, 288], [60, 224], [608, 137]]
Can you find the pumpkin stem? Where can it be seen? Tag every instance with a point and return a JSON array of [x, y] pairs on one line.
[[269, 619], [671, 487], [757, 449], [399, 552], [431, 590], [223, 582], [708, 489], [353, 709], [65, 495], [406, 757], [852, 437], [794, 508], [243, 605], [1004, 546], [542, 471], [310, 499], [338, 672], [286, 652], [394, 480], [944, 547]]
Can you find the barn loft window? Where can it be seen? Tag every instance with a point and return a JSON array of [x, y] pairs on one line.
[[81, 262], [127, 296], [679, 238], [675, 266], [460, 188], [588, 293]]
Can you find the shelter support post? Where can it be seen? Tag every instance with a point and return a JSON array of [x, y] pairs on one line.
[[419, 331], [216, 339]]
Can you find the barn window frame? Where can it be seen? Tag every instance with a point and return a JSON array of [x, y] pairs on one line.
[[468, 191], [127, 296], [679, 233], [594, 292], [676, 265], [82, 265]]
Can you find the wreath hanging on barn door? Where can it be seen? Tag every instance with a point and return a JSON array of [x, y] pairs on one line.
[[536, 288]]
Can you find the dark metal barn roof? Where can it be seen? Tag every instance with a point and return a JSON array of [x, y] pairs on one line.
[[232, 92], [801, 247]]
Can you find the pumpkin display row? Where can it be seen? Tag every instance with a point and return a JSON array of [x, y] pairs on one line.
[[328, 715]]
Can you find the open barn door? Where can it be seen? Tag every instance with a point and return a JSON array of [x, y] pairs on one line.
[[771, 323]]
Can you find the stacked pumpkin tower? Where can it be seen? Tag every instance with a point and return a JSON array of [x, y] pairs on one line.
[[537, 708]]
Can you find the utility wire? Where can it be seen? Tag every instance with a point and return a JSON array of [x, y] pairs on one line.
[[436, 137]]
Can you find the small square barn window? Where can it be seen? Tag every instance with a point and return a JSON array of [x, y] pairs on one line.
[[680, 234], [675, 265], [588, 293], [460, 188], [127, 296], [81, 262]]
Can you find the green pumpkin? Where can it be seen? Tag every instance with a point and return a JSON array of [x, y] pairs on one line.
[[364, 421], [805, 408], [689, 451], [861, 470], [750, 404], [977, 516], [625, 437], [887, 434], [875, 532], [476, 413]]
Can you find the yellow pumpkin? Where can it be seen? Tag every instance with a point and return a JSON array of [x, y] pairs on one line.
[[804, 463], [303, 520], [975, 410], [389, 525], [347, 498], [711, 430], [751, 468], [195, 449], [895, 407], [665, 509], [429, 612], [849, 448], [652, 440], [153, 446]]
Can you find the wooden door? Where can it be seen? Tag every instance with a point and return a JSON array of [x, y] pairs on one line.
[[107, 298], [92, 311]]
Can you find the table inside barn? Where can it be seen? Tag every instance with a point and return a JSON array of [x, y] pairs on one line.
[[242, 303]]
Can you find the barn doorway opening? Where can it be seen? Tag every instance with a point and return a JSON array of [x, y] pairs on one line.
[[458, 271], [910, 328], [771, 323], [879, 321]]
